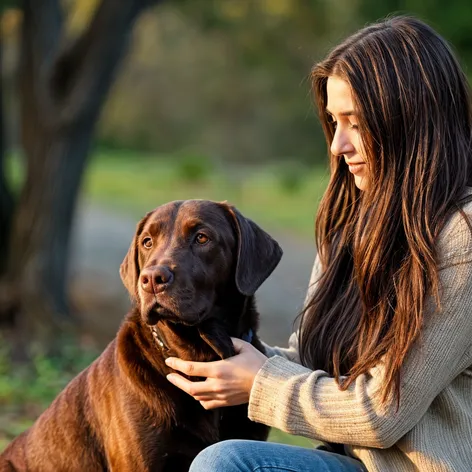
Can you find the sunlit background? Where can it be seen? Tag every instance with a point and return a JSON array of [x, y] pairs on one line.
[[110, 109]]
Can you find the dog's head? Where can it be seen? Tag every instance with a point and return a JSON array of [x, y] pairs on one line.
[[186, 253]]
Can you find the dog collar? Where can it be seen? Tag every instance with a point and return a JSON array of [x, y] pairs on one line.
[[159, 341], [245, 337], [248, 336]]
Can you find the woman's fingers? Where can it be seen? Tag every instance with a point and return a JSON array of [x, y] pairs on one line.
[[192, 388], [228, 382], [193, 369], [203, 392], [239, 344]]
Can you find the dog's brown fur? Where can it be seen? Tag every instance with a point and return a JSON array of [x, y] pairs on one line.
[[121, 413]]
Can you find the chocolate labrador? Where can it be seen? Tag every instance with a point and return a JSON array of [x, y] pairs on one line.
[[192, 270]]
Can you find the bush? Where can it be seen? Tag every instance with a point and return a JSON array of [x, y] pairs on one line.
[[194, 168], [292, 177], [27, 390]]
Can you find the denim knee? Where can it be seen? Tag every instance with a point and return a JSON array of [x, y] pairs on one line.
[[220, 456], [238, 455]]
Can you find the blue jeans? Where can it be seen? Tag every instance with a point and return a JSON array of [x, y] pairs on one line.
[[249, 456]]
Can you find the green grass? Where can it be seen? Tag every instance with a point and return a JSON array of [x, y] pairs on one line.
[[284, 438], [27, 390], [281, 196], [138, 183]]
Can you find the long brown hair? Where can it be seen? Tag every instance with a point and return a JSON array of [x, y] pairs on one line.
[[377, 247]]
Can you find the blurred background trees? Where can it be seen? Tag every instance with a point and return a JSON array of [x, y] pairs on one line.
[[229, 78], [206, 83]]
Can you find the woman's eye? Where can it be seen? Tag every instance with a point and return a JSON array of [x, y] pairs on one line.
[[201, 238], [147, 243]]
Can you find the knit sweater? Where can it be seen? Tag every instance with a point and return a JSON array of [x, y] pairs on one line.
[[431, 431]]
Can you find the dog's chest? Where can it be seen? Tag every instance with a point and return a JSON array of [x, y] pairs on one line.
[[192, 431], [205, 425]]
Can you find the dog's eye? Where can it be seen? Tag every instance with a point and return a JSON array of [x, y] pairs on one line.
[[147, 243], [202, 238]]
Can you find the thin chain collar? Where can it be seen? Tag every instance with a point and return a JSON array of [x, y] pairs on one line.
[[158, 339], [155, 334], [163, 346]]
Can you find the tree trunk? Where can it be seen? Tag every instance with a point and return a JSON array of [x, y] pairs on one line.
[[62, 92], [7, 204], [6, 198]]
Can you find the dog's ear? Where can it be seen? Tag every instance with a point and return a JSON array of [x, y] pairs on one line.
[[258, 253], [129, 268]]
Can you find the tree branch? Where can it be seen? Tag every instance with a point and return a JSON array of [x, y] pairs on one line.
[[43, 20], [40, 37], [7, 201], [84, 71]]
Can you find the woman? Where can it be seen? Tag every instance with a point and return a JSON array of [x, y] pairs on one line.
[[382, 361]]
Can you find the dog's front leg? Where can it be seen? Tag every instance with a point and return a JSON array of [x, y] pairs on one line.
[[235, 424]]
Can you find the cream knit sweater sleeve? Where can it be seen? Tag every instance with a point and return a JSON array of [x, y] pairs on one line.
[[300, 401]]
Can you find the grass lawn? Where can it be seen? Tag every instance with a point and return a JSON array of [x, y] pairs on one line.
[[278, 197], [282, 196], [275, 196]]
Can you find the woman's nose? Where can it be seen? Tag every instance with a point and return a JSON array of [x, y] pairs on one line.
[[341, 143]]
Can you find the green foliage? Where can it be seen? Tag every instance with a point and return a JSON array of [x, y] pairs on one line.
[[26, 390], [194, 168], [232, 77], [15, 171], [237, 90], [292, 177], [5, 4]]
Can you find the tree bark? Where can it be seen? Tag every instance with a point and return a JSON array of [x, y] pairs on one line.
[[6, 197], [62, 91], [7, 204]]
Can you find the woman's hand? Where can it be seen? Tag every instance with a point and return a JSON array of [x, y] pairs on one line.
[[228, 382]]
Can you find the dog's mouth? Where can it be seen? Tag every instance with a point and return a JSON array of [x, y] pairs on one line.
[[157, 311]]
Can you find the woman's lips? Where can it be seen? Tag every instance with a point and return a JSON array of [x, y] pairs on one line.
[[356, 168]]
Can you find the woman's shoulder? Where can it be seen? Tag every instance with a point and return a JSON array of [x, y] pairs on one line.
[[454, 244]]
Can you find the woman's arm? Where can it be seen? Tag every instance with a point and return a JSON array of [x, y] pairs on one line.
[[309, 403], [290, 353]]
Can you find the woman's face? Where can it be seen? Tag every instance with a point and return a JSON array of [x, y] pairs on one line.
[[347, 143]]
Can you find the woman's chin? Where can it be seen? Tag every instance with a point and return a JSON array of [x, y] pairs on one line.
[[361, 181]]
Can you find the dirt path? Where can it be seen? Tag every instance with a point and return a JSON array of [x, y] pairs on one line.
[[102, 238]]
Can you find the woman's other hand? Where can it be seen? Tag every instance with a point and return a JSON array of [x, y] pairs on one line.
[[228, 382]]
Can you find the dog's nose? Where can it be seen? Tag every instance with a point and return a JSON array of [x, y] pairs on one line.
[[156, 279]]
